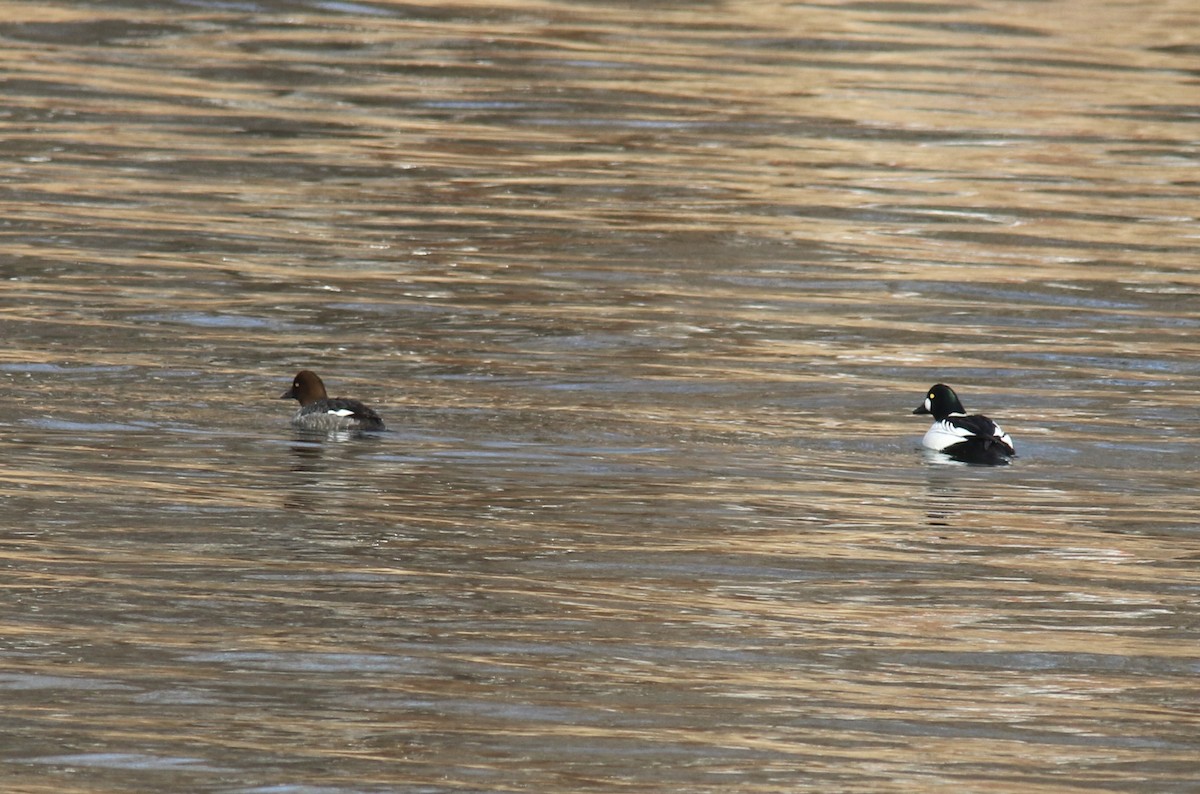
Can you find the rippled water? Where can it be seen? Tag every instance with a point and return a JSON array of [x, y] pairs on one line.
[[647, 294]]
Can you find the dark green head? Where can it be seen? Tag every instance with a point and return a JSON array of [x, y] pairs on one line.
[[941, 401]]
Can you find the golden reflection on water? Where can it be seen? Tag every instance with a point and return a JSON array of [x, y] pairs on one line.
[[647, 295]]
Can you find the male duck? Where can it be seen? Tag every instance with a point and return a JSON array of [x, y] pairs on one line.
[[970, 439], [319, 411]]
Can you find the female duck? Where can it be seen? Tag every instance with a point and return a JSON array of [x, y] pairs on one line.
[[319, 411], [970, 439]]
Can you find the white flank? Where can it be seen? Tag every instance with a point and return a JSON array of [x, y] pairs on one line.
[[943, 434]]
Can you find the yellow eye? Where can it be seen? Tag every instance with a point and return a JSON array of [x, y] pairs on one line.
[[931, 395]]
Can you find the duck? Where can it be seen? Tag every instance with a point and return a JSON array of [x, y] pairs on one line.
[[968, 438], [319, 411]]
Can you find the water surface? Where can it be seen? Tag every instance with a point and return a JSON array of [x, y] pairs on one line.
[[646, 295]]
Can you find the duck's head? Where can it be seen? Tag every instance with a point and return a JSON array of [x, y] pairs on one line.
[[941, 401], [306, 387]]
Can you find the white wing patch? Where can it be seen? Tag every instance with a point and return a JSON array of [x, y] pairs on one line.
[[943, 434], [341, 412]]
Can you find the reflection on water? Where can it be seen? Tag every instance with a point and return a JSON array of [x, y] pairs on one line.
[[646, 296]]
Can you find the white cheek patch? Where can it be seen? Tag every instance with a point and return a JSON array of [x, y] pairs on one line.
[[342, 412], [928, 405]]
